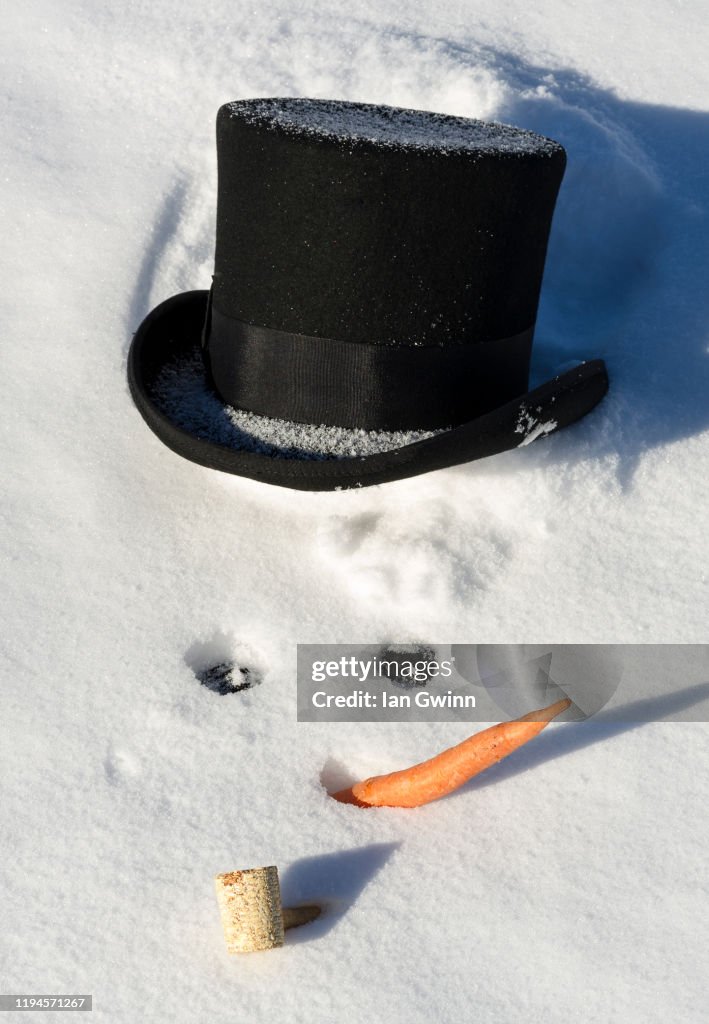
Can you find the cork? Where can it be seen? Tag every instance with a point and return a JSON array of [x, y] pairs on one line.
[[250, 907]]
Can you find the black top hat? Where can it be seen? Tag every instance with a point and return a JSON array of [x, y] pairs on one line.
[[376, 282]]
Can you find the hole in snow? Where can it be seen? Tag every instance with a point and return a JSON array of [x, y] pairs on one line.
[[223, 665], [407, 665]]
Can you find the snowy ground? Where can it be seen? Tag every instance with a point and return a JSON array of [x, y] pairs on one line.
[[576, 891]]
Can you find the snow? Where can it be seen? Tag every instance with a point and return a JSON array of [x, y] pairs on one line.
[[573, 888]]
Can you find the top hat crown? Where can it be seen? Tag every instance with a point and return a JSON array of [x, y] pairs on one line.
[[377, 270]]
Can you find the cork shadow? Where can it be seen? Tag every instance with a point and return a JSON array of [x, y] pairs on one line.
[[334, 881]]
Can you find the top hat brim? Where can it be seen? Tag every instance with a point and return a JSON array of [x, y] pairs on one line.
[[170, 336]]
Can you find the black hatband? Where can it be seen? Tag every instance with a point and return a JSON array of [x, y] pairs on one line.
[[367, 386]]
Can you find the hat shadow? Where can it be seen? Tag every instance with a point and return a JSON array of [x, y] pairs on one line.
[[333, 881], [626, 264], [625, 277]]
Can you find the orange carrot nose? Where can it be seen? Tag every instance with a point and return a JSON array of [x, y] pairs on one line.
[[449, 770]]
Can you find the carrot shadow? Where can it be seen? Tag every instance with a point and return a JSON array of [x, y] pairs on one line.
[[572, 736]]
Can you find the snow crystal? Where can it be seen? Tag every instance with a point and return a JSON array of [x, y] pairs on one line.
[[393, 127], [531, 428]]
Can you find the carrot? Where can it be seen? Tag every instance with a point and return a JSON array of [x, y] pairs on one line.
[[444, 773]]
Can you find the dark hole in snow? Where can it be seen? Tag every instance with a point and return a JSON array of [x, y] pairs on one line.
[[407, 665], [226, 677], [224, 664]]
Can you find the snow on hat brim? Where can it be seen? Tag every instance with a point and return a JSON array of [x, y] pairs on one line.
[[190, 418]]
